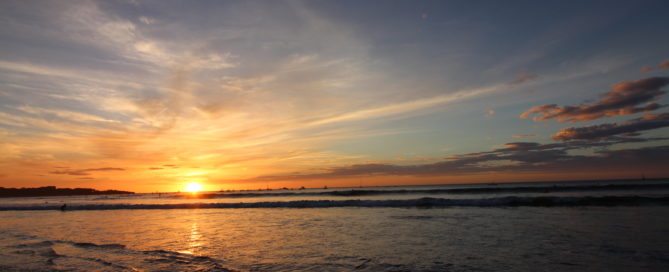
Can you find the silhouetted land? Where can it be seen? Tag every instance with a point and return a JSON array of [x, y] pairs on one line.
[[53, 191]]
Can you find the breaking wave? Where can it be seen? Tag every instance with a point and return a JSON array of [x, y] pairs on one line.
[[510, 201], [474, 190], [61, 255]]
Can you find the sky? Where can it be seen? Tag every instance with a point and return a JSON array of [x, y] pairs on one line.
[[149, 96]]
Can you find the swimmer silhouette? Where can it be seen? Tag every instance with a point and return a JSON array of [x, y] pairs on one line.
[[62, 208]]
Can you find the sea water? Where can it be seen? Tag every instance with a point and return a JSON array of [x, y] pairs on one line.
[[575, 226]]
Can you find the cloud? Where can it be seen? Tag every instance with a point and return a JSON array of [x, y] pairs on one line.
[[146, 20], [84, 172], [523, 77], [646, 69], [104, 169], [69, 172], [525, 135], [623, 99], [664, 65], [511, 158], [65, 115], [603, 131], [410, 106]]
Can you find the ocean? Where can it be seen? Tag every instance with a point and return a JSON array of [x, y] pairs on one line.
[[612, 225]]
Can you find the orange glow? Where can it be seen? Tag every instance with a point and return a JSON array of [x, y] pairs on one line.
[[193, 187]]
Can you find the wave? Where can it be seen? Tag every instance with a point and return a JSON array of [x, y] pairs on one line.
[[475, 190], [85, 256], [511, 201]]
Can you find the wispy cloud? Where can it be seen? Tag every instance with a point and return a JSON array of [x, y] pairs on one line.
[[523, 77], [525, 135], [410, 106], [84, 172]]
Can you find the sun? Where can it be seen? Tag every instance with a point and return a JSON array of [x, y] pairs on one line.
[[193, 187]]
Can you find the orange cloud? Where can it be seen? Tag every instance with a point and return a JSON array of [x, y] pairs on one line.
[[603, 131], [525, 135], [664, 65], [623, 99]]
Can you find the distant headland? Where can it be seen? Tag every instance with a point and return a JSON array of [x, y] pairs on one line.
[[53, 191]]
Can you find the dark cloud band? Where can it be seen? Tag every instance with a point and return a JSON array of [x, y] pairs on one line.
[[512, 158], [84, 172], [603, 131]]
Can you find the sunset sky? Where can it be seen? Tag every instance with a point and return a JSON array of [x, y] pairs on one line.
[[152, 95]]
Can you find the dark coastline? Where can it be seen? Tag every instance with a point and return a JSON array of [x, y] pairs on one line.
[[53, 191]]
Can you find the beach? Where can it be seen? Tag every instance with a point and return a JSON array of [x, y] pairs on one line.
[[108, 236]]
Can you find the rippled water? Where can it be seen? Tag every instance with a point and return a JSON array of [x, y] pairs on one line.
[[621, 236]]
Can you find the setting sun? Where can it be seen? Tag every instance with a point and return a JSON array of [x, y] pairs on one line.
[[193, 187]]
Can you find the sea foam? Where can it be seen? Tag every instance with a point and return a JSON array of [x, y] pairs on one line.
[[426, 202]]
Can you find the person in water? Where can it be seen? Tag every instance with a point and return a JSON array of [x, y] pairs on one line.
[[62, 208]]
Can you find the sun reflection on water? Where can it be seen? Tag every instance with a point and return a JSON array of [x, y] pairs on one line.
[[194, 241]]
